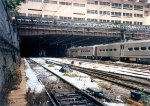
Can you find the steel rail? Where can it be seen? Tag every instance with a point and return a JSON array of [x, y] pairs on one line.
[[96, 101], [103, 75]]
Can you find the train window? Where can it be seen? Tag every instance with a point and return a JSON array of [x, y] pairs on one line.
[[143, 48], [136, 48], [100, 50], [103, 49], [115, 49], [110, 49], [148, 48], [106, 49], [130, 49]]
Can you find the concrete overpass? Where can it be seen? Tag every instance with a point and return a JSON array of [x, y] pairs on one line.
[[43, 33]]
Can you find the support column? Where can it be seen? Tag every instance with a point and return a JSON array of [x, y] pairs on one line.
[[123, 37]]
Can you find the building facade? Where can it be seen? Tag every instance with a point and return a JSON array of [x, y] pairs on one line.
[[115, 11]]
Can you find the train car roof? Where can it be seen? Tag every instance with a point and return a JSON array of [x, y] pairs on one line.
[[80, 47], [139, 41]]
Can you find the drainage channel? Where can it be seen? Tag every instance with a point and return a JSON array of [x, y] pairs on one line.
[[68, 96]]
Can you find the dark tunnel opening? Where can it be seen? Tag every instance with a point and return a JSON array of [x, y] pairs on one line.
[[40, 47], [57, 45]]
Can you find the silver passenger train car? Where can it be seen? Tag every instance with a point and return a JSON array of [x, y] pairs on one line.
[[132, 51]]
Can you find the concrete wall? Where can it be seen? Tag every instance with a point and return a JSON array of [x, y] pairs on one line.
[[9, 55]]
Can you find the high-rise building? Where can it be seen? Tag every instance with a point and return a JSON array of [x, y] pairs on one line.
[[114, 11]]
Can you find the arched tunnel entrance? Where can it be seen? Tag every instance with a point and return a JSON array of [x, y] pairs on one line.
[[56, 45], [41, 46]]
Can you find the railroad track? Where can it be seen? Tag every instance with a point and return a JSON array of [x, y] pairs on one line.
[[111, 77], [126, 65], [70, 98], [129, 65]]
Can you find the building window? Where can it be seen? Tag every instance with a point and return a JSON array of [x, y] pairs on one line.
[[112, 21], [116, 14], [147, 6], [65, 3], [78, 19], [138, 23], [141, 23], [91, 20], [105, 3], [65, 18], [92, 12], [80, 5], [34, 10], [53, 2], [79, 13], [138, 15], [127, 22], [92, 2], [104, 12], [129, 15], [62, 3], [36, 0], [50, 16], [35, 15], [46, 1], [116, 5], [108, 20], [22, 14], [127, 6], [104, 20], [100, 20], [117, 22], [138, 7]]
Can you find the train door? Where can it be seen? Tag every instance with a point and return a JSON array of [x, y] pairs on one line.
[[78, 52], [94, 52], [121, 50]]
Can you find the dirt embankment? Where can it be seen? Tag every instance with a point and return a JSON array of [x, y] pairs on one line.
[[18, 97]]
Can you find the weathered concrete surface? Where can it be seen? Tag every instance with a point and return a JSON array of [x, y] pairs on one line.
[[9, 52]]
